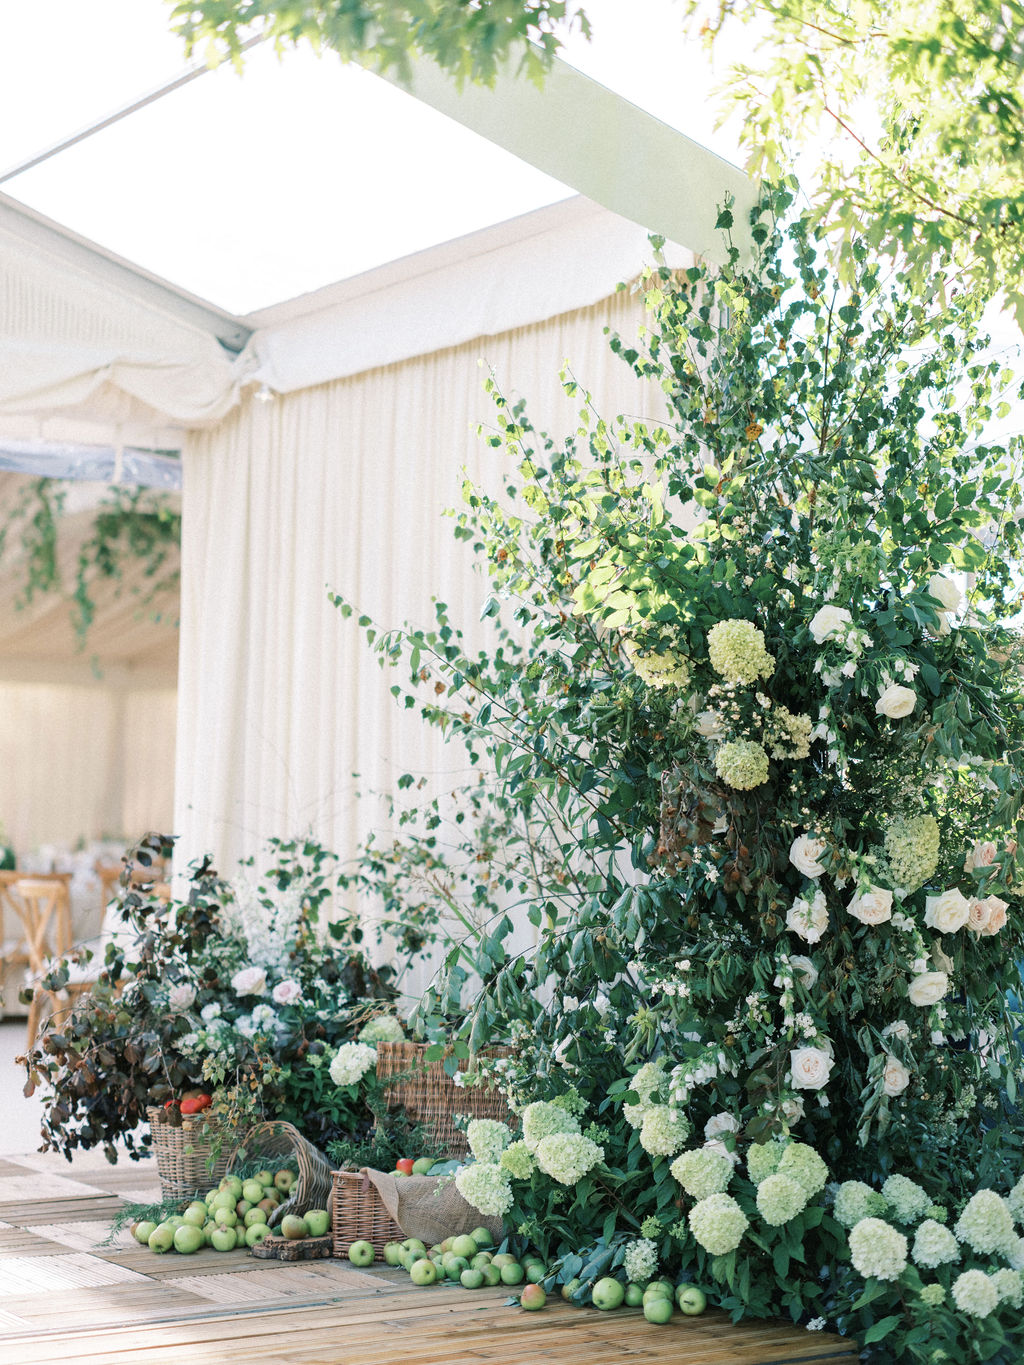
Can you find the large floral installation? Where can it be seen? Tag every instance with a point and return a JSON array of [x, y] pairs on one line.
[[759, 677]]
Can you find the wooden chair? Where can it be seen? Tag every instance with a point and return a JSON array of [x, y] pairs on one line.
[[44, 906], [13, 949]]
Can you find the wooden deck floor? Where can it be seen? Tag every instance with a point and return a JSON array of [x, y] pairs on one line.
[[66, 1297]]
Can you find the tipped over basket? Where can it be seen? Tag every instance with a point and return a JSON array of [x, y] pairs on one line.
[[431, 1097], [277, 1142]]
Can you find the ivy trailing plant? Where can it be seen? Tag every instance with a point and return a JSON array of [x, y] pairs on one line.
[[133, 529], [758, 666]]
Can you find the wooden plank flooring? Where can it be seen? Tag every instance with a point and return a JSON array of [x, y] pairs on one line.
[[68, 1296]]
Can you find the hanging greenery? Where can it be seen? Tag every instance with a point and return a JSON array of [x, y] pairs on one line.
[[134, 543]]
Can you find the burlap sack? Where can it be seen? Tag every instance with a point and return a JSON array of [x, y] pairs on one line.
[[430, 1207]]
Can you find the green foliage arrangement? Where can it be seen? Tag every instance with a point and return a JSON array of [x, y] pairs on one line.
[[758, 678], [245, 989]]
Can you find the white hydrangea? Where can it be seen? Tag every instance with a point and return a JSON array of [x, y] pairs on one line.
[[486, 1186], [663, 1130], [488, 1138], [541, 1120], [640, 1260], [718, 1223], [702, 1172], [986, 1223], [907, 1198], [878, 1250], [352, 1062], [975, 1294], [567, 1157], [934, 1245]]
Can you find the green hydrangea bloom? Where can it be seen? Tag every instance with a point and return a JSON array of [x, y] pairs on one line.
[[486, 1186], [742, 764], [702, 1173], [912, 849], [541, 1120], [572, 1102], [855, 1201], [933, 1295], [718, 1223], [650, 1227], [384, 1029], [736, 650], [906, 1198], [780, 1198], [640, 1261], [937, 1212], [763, 1160], [518, 1160], [878, 1250], [803, 1164], [975, 1294], [567, 1157], [664, 1130], [986, 1223], [488, 1138], [934, 1245]]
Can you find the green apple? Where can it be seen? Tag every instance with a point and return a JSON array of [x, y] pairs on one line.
[[233, 1186], [512, 1274], [658, 1309], [318, 1221], [608, 1293], [532, 1298], [656, 1290], [491, 1273], [393, 1254], [255, 1233], [284, 1180], [175, 1221], [634, 1296], [264, 1178], [414, 1244], [482, 1237], [294, 1227], [359, 1253], [422, 1165], [224, 1199], [536, 1271], [223, 1239], [252, 1190], [240, 1232], [267, 1205], [423, 1271], [161, 1239], [504, 1258], [481, 1259], [196, 1213], [210, 1195], [226, 1218], [464, 1246], [472, 1279], [188, 1239], [691, 1300], [568, 1290], [667, 1285], [142, 1231], [454, 1265], [253, 1217]]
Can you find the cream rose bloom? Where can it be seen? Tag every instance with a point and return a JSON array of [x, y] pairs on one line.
[[996, 915], [181, 998], [708, 724], [718, 1124], [719, 1148], [895, 1077], [287, 992], [928, 988], [808, 918], [983, 854], [805, 970], [805, 852], [945, 591], [828, 620], [792, 1110], [249, 981], [947, 913], [899, 1028], [896, 702], [809, 1068], [873, 906]]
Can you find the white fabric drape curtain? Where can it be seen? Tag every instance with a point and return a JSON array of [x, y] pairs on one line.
[[84, 762], [284, 714]]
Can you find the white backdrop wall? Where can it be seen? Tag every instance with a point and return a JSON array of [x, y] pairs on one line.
[[344, 486], [84, 762]]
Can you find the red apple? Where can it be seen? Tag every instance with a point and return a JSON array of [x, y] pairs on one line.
[[405, 1165]]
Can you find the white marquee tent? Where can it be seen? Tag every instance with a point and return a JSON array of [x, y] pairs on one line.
[[320, 440]]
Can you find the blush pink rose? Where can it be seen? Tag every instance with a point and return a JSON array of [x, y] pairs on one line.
[[286, 992]]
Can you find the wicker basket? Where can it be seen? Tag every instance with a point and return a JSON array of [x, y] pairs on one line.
[[432, 1098], [191, 1157], [269, 1143], [358, 1214]]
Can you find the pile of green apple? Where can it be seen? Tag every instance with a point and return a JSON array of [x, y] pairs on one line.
[[659, 1299], [235, 1214], [468, 1259]]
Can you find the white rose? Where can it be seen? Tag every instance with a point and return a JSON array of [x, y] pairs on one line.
[[983, 854], [805, 852], [996, 915], [286, 992], [793, 1111], [873, 906], [899, 1028], [826, 621], [946, 592], [896, 702], [808, 918], [805, 970], [719, 1124], [928, 988], [181, 998], [947, 913], [249, 981], [809, 1068], [895, 1077]]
